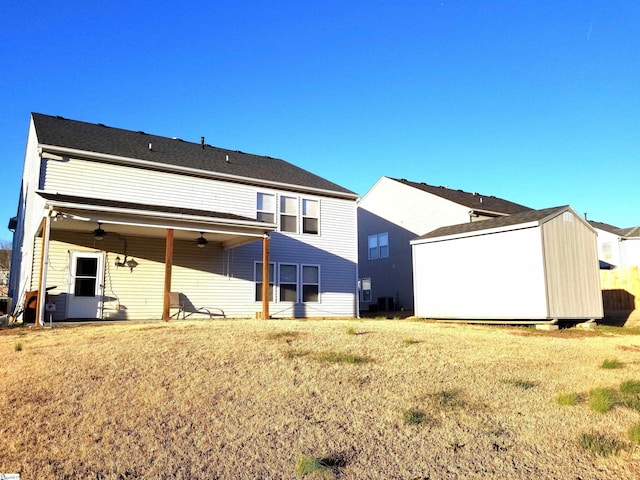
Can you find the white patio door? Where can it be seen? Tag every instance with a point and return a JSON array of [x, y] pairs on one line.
[[85, 291]]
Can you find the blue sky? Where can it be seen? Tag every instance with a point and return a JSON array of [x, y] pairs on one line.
[[534, 101]]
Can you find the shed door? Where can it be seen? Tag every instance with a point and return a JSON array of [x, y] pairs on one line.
[[85, 291]]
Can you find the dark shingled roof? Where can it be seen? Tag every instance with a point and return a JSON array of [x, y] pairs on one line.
[[630, 232], [498, 222], [98, 138], [99, 202], [475, 201]]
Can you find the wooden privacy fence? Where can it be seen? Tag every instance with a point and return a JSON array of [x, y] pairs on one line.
[[620, 288]]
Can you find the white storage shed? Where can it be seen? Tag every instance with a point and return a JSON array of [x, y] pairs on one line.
[[538, 265]]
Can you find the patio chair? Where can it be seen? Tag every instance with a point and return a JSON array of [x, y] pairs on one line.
[[178, 300]]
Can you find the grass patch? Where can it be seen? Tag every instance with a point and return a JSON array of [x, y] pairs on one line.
[[337, 357], [520, 383], [600, 445], [294, 353], [611, 363], [634, 433], [448, 398], [630, 394], [568, 398], [286, 334], [630, 387], [414, 416], [351, 331], [601, 399], [308, 464], [618, 330], [17, 347]]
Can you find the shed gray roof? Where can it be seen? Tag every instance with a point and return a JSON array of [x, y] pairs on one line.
[[498, 222], [101, 139], [474, 201]]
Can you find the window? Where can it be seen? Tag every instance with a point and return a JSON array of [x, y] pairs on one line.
[[310, 214], [378, 246], [266, 207], [365, 289], [86, 277], [289, 214], [258, 277], [310, 283], [288, 283]]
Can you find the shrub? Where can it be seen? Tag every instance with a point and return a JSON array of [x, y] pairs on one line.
[[567, 398], [600, 445], [18, 347], [611, 363], [602, 400], [410, 341]]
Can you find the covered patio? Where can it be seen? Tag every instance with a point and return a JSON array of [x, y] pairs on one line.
[[100, 226]]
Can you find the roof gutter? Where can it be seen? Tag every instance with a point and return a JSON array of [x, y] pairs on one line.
[[163, 215], [189, 171]]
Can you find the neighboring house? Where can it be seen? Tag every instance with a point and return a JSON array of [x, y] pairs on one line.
[[536, 265], [390, 215], [617, 247], [110, 221]]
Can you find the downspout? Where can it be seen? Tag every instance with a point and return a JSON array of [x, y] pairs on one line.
[[44, 264]]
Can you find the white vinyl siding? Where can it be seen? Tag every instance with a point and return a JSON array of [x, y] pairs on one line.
[[211, 277]]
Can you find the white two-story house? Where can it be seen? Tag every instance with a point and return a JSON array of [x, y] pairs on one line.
[[394, 212], [111, 222]]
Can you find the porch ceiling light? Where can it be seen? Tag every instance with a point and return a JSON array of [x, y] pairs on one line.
[[99, 233], [201, 241]]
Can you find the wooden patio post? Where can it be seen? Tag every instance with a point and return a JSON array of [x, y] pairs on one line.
[[265, 276], [42, 282], [168, 263]]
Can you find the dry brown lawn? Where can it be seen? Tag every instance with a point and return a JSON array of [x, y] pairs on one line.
[[241, 399]]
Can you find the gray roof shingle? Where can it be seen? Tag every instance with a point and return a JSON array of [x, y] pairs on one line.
[[98, 138], [475, 201], [498, 222]]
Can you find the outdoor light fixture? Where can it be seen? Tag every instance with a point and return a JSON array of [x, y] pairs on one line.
[[201, 241], [131, 263], [99, 233]]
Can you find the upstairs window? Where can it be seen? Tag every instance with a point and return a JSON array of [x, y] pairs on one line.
[[378, 246], [310, 216], [266, 207], [289, 214]]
